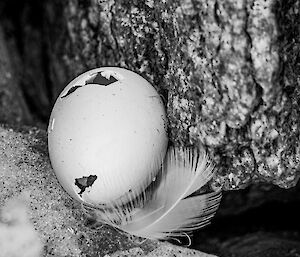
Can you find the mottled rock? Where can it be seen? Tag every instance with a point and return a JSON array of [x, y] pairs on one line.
[[228, 71]]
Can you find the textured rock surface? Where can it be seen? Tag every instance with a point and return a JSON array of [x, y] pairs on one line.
[[229, 74], [228, 70], [22, 24], [260, 244], [62, 227], [255, 220], [13, 108]]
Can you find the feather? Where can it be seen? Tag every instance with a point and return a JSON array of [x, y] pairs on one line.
[[168, 207]]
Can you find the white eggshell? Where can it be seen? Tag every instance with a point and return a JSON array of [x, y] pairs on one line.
[[116, 132]]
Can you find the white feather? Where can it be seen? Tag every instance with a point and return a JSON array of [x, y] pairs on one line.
[[166, 208]]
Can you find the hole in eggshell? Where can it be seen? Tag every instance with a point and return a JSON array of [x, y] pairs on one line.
[[84, 182], [71, 90], [101, 79]]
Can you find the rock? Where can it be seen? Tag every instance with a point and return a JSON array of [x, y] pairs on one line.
[[163, 250], [228, 71], [254, 196], [256, 223], [62, 227], [261, 245], [13, 108], [229, 75]]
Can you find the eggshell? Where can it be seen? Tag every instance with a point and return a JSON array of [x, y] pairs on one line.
[[106, 133]]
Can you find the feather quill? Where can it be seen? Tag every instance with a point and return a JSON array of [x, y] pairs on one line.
[[168, 207]]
